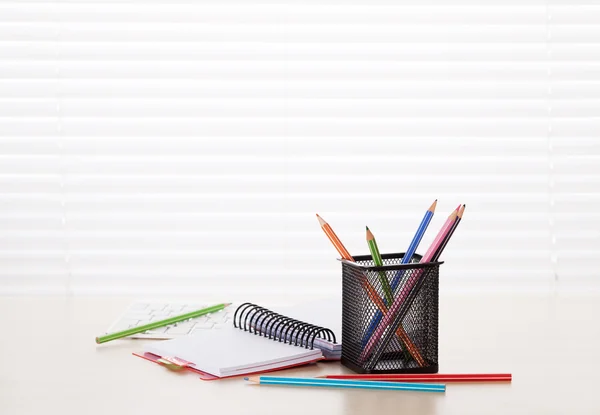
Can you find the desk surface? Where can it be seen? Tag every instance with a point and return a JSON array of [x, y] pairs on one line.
[[50, 364]]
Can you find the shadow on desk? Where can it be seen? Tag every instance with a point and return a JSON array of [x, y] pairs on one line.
[[392, 402]]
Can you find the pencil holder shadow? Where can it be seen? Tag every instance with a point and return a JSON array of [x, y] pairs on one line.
[[390, 315]]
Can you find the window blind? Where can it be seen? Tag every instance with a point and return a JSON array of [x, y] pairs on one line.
[[157, 147]]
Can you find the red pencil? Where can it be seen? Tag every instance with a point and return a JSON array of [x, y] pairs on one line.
[[430, 377]]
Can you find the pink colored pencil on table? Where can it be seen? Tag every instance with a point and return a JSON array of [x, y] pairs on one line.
[[395, 307]]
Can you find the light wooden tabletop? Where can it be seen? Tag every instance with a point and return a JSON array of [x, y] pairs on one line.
[[50, 364]]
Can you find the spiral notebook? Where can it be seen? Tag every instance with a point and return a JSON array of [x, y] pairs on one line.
[[260, 340]]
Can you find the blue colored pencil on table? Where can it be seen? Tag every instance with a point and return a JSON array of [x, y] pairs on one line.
[[412, 248], [347, 384]]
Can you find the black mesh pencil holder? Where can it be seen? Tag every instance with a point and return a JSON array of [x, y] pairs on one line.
[[409, 343]]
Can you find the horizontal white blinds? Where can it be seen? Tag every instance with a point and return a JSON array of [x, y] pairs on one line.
[[164, 147]]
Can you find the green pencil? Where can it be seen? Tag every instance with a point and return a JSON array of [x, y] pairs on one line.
[[161, 323], [379, 262]]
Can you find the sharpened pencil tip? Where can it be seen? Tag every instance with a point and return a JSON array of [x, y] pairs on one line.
[[321, 220], [367, 227], [433, 205], [246, 378]]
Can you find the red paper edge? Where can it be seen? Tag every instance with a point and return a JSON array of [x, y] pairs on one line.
[[207, 376]]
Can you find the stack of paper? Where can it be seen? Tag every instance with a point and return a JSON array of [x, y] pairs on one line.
[[232, 352]]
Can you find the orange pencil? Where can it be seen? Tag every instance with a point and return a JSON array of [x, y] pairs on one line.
[[335, 240], [371, 292]]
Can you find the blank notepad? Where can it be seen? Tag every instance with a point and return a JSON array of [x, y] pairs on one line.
[[233, 352]]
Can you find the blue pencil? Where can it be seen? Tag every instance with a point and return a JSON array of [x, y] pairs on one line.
[[412, 248], [347, 383]]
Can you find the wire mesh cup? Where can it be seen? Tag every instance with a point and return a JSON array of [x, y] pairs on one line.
[[409, 343]]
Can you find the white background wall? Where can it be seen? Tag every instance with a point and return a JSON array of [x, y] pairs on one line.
[[158, 147]]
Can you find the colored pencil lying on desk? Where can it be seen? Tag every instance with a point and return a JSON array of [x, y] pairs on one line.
[[428, 377], [396, 306], [412, 248], [160, 323], [371, 292], [349, 384]]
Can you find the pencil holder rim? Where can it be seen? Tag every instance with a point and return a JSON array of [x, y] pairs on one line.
[[395, 267]]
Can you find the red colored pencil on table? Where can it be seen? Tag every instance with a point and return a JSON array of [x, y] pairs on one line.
[[430, 377]]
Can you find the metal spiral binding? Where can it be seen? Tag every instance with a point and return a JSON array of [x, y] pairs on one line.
[[264, 322]]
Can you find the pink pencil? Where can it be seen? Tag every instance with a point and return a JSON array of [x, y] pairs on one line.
[[395, 307]]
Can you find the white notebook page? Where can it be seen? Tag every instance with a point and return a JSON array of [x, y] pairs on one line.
[[231, 351]]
